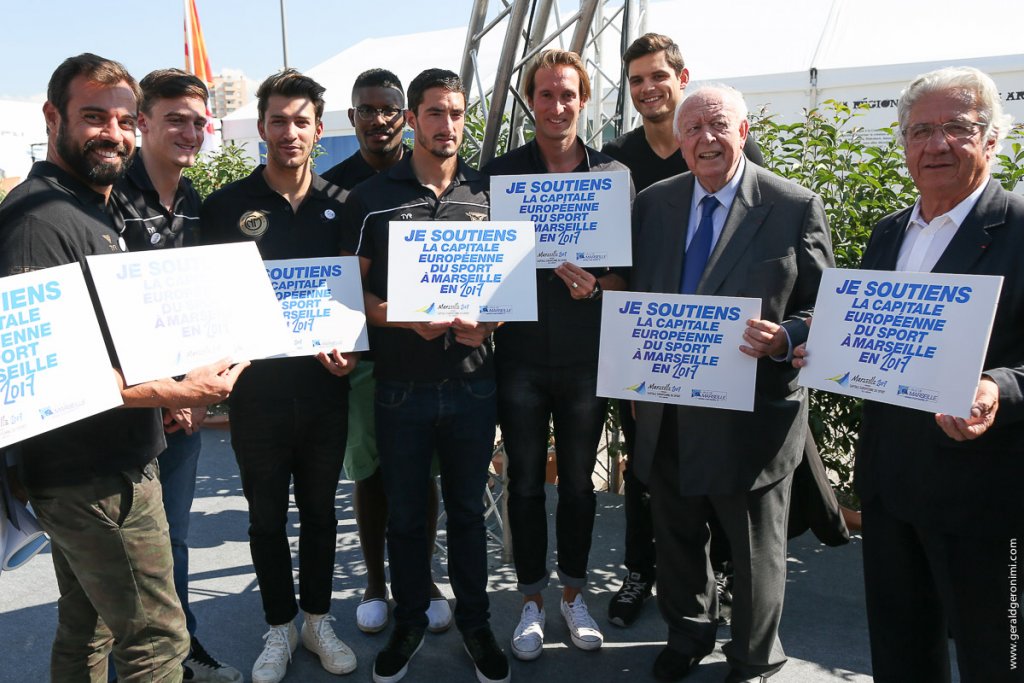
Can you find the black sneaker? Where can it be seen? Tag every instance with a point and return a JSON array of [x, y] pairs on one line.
[[201, 667], [490, 662], [392, 662], [627, 604]]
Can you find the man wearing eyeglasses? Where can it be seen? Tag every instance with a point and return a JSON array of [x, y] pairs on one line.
[[377, 115], [941, 496]]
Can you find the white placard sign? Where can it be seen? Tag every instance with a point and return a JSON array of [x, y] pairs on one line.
[[172, 310], [479, 270], [322, 303], [911, 339], [677, 348], [54, 366], [583, 218]]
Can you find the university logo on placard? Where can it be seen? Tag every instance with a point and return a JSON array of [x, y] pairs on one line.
[[254, 223]]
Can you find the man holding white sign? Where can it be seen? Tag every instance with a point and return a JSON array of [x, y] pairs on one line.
[[941, 495], [727, 228], [289, 419], [548, 369], [93, 484], [435, 385]]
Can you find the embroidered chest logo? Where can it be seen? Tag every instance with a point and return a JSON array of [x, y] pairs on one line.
[[405, 216], [254, 223], [476, 216]]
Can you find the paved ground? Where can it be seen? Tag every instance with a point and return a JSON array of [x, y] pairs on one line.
[[823, 628]]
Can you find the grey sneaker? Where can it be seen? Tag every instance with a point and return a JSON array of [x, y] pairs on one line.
[[200, 667]]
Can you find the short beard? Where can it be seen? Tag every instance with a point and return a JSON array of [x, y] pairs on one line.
[[96, 174]]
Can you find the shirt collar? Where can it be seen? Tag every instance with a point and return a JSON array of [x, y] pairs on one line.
[[727, 194], [956, 215], [403, 170], [69, 183], [533, 150], [259, 187]]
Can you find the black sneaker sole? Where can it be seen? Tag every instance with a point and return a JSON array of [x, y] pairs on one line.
[[398, 675]]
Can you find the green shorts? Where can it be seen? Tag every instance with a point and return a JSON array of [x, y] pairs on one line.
[[361, 457]]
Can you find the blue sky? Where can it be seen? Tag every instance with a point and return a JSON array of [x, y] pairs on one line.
[[147, 34]]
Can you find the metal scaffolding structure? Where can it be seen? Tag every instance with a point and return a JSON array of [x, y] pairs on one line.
[[530, 27]]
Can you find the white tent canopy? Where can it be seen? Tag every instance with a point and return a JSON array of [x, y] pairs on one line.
[[786, 54]]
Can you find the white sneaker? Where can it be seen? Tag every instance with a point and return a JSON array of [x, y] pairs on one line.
[[272, 664], [372, 615], [318, 637], [584, 630], [439, 615], [528, 639]]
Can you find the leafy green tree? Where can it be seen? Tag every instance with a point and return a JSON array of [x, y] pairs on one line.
[[213, 171]]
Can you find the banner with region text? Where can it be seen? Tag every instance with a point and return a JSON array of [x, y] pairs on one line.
[[583, 218], [916, 340], [322, 303], [478, 270], [677, 348], [172, 310], [54, 366]]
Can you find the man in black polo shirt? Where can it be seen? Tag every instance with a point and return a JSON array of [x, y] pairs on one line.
[[657, 80], [160, 209], [289, 418], [548, 370], [435, 385], [93, 484], [376, 114]]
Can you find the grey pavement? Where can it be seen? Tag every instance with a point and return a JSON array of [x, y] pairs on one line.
[[824, 629]]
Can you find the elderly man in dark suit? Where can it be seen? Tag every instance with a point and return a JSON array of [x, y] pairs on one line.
[[942, 498], [727, 228]]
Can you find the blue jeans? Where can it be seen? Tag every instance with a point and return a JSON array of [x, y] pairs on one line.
[[454, 418], [178, 465], [529, 397]]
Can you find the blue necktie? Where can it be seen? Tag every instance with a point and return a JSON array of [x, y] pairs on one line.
[[700, 246]]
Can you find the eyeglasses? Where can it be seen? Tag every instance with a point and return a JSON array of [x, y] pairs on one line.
[[956, 130], [370, 113]]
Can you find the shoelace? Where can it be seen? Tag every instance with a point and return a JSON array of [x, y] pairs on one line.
[[529, 620], [201, 656], [581, 615], [326, 637], [276, 648], [632, 590]]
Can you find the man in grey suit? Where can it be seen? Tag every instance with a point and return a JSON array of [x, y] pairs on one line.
[[727, 228], [941, 495]]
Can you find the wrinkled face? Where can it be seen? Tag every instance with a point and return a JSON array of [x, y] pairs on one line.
[[711, 135], [438, 122], [556, 102], [290, 129], [174, 130], [95, 141], [945, 169], [382, 133], [655, 87]]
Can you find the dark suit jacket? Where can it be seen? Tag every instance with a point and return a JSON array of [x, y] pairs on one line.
[[920, 474], [774, 246]]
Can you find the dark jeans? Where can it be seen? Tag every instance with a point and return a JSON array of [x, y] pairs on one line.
[[454, 418], [529, 397], [277, 442], [178, 465]]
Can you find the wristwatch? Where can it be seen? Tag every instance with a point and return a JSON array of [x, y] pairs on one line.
[[596, 292]]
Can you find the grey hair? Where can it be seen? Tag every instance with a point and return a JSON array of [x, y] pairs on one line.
[[729, 94], [974, 87]]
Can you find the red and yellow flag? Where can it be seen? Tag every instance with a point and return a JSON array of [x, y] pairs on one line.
[[197, 62]]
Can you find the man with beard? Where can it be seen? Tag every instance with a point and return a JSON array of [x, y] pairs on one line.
[[160, 209], [378, 104], [94, 483], [435, 385], [289, 418]]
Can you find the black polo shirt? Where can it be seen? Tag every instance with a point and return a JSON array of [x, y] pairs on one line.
[[250, 210], [647, 167], [52, 219], [147, 224], [350, 172], [567, 331], [397, 195]]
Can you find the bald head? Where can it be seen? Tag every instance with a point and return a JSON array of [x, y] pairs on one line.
[[711, 128]]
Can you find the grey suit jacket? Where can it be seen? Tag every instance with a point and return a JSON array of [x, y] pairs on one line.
[[774, 246], [903, 458]]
